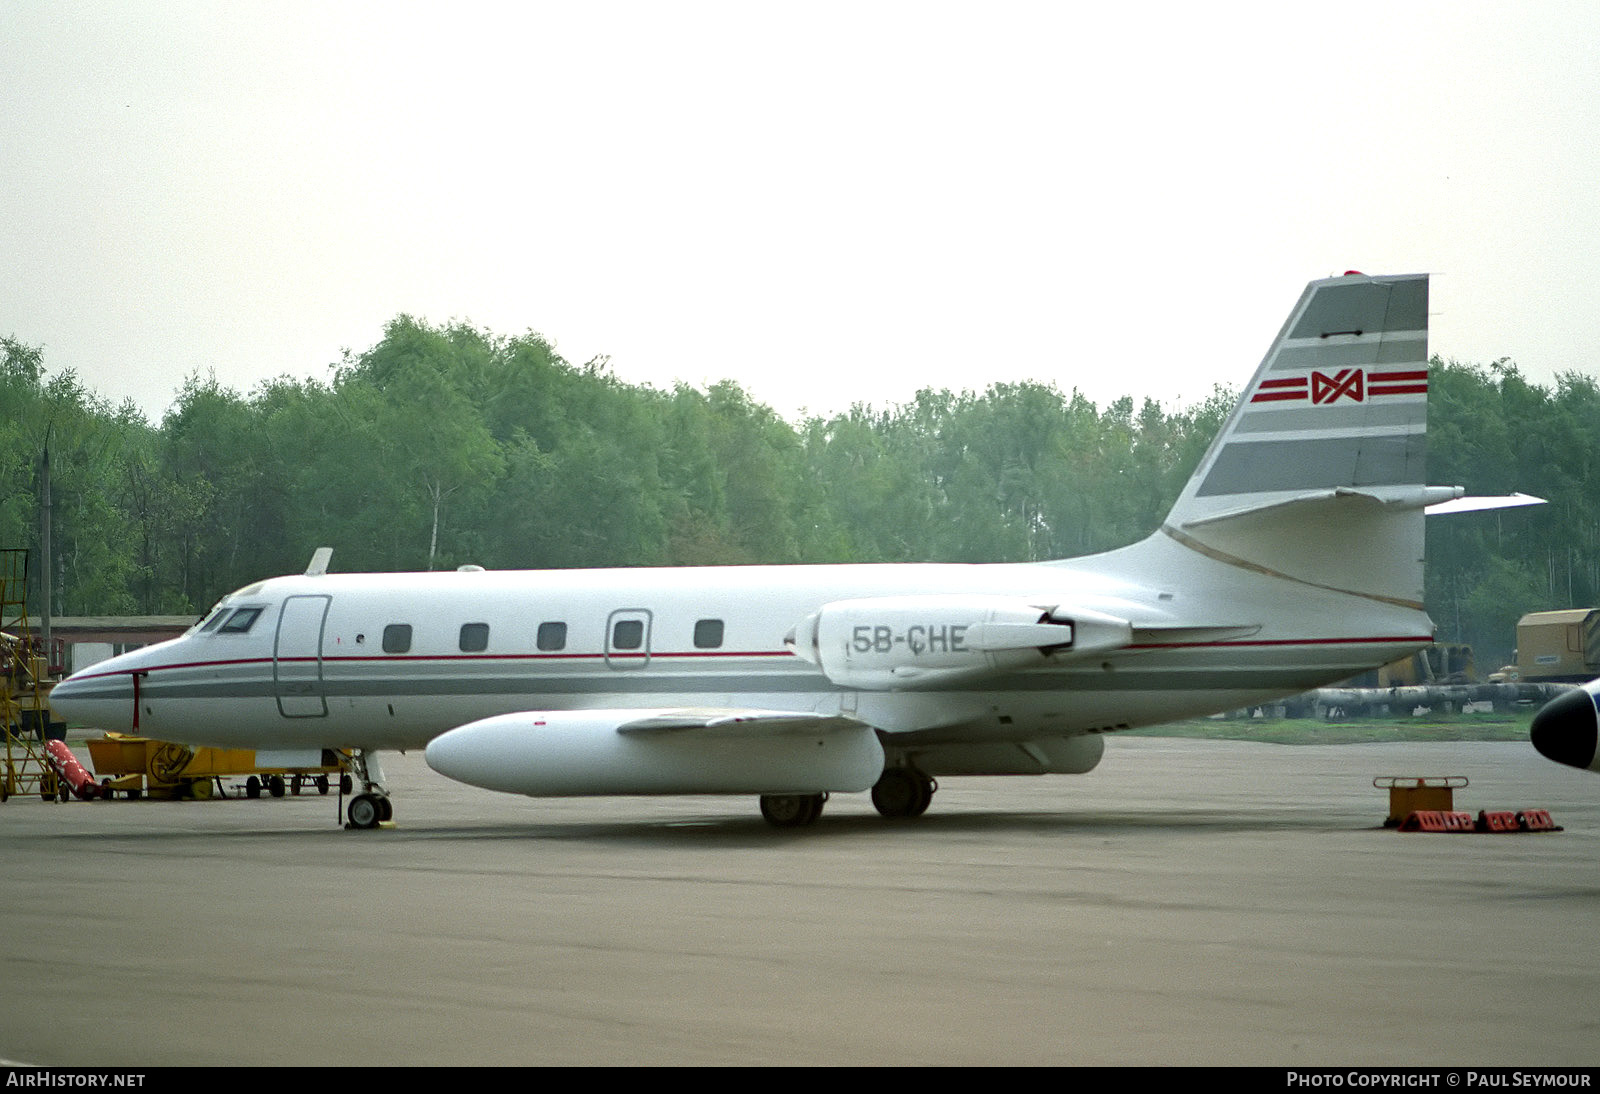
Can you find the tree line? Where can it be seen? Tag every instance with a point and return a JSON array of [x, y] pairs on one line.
[[444, 445]]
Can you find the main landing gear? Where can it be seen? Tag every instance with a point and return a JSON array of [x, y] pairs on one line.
[[371, 807], [900, 792], [792, 810], [903, 792]]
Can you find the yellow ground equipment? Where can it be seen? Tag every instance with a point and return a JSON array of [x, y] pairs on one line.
[[139, 765]]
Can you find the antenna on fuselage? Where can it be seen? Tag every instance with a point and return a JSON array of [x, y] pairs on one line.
[[319, 562]]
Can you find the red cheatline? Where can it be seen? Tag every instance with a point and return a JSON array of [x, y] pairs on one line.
[[1272, 391], [1353, 384], [1413, 382]]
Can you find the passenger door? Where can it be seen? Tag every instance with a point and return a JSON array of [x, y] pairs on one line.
[[297, 657]]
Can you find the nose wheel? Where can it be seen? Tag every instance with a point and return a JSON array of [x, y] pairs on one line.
[[368, 811]]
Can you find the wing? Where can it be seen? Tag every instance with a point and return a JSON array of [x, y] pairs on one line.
[[732, 723]]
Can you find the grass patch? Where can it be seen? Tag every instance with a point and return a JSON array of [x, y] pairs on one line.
[[1313, 731]]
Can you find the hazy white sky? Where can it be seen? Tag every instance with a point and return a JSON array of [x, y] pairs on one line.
[[828, 202]]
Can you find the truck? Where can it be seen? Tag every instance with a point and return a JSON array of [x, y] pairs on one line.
[[1557, 647]]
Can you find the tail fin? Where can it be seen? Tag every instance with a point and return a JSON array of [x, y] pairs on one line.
[[1318, 474]]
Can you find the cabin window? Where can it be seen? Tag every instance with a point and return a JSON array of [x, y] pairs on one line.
[[628, 634], [552, 636], [474, 637], [397, 638], [240, 621], [708, 634]]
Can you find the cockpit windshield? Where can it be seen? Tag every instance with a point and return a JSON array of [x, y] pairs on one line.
[[240, 621], [210, 620]]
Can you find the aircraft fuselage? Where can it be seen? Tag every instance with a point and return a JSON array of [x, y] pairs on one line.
[[357, 660]]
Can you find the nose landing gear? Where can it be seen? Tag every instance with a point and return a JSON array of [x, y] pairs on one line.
[[371, 807]]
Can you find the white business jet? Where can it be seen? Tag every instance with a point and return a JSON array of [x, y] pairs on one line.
[[1293, 558]]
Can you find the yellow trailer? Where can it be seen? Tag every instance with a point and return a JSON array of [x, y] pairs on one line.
[[135, 765]]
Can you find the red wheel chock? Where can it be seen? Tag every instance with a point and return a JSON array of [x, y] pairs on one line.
[[1439, 820]]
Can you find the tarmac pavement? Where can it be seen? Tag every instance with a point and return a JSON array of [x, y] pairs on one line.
[[1190, 902]]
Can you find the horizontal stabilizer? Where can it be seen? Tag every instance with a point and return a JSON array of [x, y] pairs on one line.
[[1479, 505], [1394, 498]]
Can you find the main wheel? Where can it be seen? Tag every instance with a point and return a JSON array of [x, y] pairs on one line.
[[902, 792], [791, 810]]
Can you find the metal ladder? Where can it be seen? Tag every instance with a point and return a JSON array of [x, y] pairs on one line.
[[24, 714]]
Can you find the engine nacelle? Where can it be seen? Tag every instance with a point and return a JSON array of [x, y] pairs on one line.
[[580, 753], [884, 643], [1567, 728]]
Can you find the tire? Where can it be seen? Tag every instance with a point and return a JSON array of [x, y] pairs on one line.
[[364, 811], [791, 810], [902, 792], [895, 793]]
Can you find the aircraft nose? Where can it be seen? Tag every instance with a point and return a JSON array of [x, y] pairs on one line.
[[1567, 729], [67, 696], [101, 700]]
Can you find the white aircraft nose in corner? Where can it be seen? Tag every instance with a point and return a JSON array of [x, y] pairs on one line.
[[1291, 559]]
